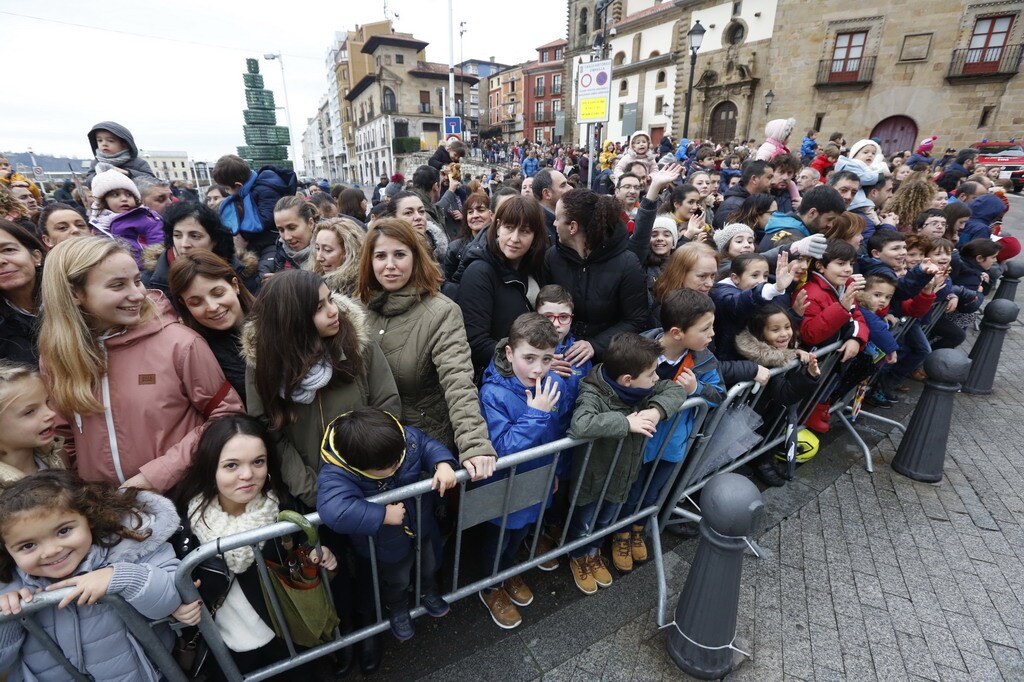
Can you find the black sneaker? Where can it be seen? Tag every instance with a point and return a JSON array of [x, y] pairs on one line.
[[434, 604], [878, 399], [401, 625], [769, 475]]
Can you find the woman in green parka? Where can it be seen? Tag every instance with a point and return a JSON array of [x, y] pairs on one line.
[[423, 337]]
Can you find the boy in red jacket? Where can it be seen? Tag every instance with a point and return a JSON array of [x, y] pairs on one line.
[[832, 313]]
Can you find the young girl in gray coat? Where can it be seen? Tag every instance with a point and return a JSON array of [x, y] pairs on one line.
[[59, 531]]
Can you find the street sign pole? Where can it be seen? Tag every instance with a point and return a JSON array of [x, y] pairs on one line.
[[592, 101]]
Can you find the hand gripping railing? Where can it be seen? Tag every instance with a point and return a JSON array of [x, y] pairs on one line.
[[497, 500], [139, 627]]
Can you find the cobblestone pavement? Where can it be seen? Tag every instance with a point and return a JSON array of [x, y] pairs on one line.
[[866, 576]]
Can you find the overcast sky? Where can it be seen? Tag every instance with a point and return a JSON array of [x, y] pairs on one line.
[[171, 72]]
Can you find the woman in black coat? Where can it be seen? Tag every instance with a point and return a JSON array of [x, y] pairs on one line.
[[593, 260], [501, 280], [21, 265]]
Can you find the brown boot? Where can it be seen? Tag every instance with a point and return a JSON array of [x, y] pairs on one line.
[[622, 555], [637, 545]]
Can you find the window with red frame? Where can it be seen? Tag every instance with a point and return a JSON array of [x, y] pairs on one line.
[[988, 43], [847, 56]]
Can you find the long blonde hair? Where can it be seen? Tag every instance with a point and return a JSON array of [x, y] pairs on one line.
[[73, 355], [350, 237]]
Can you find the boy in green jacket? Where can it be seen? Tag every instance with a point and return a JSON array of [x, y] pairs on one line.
[[621, 399]]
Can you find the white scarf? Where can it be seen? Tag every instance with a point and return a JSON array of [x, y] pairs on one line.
[[217, 523], [318, 377]]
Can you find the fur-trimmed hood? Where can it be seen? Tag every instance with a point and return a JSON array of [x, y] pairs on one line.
[[245, 263], [761, 353], [348, 309]]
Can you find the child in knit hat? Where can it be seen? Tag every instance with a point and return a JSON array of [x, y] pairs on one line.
[[116, 212], [731, 241]]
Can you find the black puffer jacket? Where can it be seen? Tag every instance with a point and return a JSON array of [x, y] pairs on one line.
[[733, 199], [608, 288], [19, 336], [492, 295]]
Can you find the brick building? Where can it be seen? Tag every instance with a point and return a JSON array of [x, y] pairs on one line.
[[897, 72], [506, 101], [543, 91]]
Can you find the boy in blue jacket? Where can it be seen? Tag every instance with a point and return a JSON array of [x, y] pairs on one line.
[[249, 210], [743, 291], [524, 404], [687, 327], [365, 452]]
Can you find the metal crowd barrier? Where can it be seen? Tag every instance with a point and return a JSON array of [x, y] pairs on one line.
[[141, 629], [477, 505]]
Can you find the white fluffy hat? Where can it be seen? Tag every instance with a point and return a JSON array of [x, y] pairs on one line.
[[109, 180]]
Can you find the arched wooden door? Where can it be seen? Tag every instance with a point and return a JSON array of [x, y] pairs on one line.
[[723, 122], [897, 133]]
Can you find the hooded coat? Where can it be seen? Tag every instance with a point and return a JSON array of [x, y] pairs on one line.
[[985, 210], [629, 157], [777, 132], [298, 443], [94, 637], [608, 287], [135, 166], [424, 341], [343, 489], [785, 389], [158, 394], [601, 414]]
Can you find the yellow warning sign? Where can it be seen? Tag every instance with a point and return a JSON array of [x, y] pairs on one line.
[[593, 109]]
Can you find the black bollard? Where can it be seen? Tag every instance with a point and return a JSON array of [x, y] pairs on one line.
[[995, 322], [922, 452], [705, 617], [1013, 270]]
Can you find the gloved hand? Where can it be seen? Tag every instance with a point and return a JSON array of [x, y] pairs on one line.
[[812, 247]]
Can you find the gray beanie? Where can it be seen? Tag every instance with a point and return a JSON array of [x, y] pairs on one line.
[[724, 236]]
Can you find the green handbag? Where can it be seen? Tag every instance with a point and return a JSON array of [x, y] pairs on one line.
[[308, 613]]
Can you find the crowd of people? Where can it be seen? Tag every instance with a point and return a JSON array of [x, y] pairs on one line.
[[180, 368]]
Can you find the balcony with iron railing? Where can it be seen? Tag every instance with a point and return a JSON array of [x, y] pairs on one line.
[[990, 63], [853, 73], [538, 91], [424, 107]]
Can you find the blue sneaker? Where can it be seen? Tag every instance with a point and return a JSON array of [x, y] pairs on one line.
[[436, 606], [401, 625]]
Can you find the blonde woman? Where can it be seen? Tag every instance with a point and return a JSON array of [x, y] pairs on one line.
[[132, 385], [335, 257], [914, 196]]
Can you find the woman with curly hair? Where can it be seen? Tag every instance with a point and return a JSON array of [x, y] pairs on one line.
[[914, 196]]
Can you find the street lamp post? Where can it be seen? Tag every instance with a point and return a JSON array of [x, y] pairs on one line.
[[696, 36], [769, 97], [287, 109]]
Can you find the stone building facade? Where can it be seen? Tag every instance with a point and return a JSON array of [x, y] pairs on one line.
[[506, 101], [894, 71]]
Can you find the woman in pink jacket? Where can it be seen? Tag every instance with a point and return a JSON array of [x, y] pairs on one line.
[[134, 387]]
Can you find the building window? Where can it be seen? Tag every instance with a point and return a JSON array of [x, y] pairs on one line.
[[543, 55], [538, 88], [846, 56], [424, 101], [558, 53], [659, 103], [387, 60], [661, 78], [556, 105], [735, 33], [583, 22], [390, 104], [623, 87], [539, 114], [819, 119], [620, 59], [556, 84], [986, 114], [400, 59], [987, 44]]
